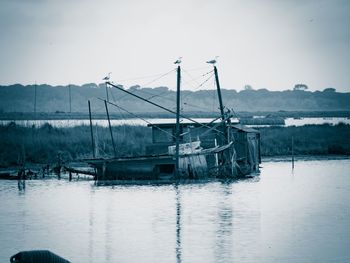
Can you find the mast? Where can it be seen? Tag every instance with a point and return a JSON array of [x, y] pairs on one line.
[[92, 135], [110, 130], [223, 118], [177, 135], [219, 93], [107, 97], [225, 156]]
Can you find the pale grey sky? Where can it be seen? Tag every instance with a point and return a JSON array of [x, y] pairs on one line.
[[265, 43]]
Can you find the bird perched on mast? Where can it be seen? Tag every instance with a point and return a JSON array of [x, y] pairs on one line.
[[107, 77], [213, 61], [178, 61]]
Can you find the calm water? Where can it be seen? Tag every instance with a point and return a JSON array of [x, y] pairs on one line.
[[278, 217], [104, 123]]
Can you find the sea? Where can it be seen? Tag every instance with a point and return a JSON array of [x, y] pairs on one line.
[[282, 215]]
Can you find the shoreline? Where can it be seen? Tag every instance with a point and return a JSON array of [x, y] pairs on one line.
[[303, 157], [280, 158]]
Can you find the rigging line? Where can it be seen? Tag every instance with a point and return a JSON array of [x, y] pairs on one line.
[[121, 108], [113, 95], [165, 74], [210, 127], [215, 126], [194, 79], [196, 106], [98, 109], [154, 95], [143, 77], [197, 69], [161, 95], [207, 73], [160, 106], [235, 113], [152, 81], [164, 97], [205, 81]]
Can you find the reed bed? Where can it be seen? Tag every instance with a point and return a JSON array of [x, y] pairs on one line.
[[323, 139], [44, 144]]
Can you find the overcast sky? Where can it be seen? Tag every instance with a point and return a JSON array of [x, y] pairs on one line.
[[267, 44]]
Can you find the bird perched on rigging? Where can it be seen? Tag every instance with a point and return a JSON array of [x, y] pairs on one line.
[[213, 61], [107, 77], [178, 61]]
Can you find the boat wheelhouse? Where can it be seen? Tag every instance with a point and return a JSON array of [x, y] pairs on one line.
[[245, 142]]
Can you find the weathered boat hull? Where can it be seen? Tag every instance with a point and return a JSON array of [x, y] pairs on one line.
[[8, 176], [162, 168], [150, 168]]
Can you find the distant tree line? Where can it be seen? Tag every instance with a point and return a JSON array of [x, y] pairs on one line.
[[19, 98]]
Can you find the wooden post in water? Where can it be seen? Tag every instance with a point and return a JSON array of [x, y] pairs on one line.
[[110, 129], [92, 135], [177, 136]]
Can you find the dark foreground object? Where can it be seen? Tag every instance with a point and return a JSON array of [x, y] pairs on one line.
[[37, 256]]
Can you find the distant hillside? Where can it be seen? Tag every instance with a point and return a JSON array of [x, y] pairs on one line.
[[19, 98]]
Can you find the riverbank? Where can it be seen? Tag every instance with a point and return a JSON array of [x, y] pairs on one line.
[[48, 144]]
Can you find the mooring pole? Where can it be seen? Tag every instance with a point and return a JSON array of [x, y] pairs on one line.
[[177, 122], [110, 129], [92, 135]]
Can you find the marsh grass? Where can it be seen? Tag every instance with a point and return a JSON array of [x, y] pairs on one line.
[[308, 140], [44, 144]]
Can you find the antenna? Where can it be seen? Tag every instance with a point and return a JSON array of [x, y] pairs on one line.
[[35, 98], [70, 98]]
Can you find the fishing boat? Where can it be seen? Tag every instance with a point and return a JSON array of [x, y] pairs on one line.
[[188, 150]]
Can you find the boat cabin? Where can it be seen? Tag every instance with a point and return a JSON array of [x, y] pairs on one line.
[[246, 141]]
